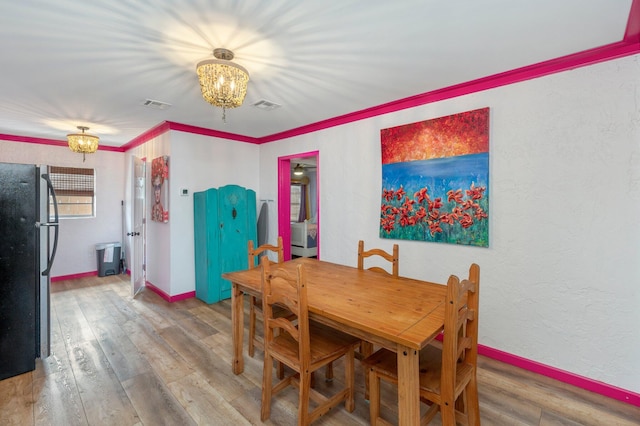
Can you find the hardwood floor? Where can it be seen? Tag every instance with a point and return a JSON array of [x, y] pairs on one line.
[[118, 361]]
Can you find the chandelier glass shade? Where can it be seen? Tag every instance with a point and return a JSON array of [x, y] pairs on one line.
[[83, 143], [222, 82]]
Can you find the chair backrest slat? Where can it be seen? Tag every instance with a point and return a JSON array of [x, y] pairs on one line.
[[255, 253], [284, 289], [390, 257]]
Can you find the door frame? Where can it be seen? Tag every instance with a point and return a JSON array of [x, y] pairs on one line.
[[284, 198]]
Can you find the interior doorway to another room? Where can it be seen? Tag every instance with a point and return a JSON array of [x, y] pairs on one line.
[[298, 204]]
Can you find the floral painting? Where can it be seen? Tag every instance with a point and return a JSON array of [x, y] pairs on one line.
[[435, 180], [160, 185]]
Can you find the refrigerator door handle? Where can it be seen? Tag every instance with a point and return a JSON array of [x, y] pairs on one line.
[[54, 224]]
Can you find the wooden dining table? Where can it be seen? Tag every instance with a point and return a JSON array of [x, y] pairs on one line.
[[400, 314]]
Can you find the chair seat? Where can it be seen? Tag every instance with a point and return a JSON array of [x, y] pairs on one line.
[[385, 362], [326, 344]]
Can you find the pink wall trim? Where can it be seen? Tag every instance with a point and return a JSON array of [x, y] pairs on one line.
[[284, 195], [215, 133], [632, 34], [562, 376], [284, 202], [146, 136], [74, 276], [55, 142], [165, 126], [171, 299]]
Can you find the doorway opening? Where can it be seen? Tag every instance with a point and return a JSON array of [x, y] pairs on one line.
[[299, 204]]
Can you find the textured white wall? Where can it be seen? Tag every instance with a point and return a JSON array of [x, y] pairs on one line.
[[196, 163], [76, 246], [199, 163], [559, 282]]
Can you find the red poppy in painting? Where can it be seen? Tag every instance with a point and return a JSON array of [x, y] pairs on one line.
[[434, 227], [448, 218], [455, 195], [387, 224], [409, 204], [387, 194], [466, 220], [480, 214], [435, 204], [421, 195], [475, 192], [400, 193]]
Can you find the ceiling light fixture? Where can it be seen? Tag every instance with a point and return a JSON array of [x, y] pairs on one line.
[[298, 170], [83, 143], [222, 82]]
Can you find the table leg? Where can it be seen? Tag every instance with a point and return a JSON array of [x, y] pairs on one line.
[[237, 326], [408, 386]]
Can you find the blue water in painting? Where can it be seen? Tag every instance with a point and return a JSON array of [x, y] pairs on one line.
[[438, 175]]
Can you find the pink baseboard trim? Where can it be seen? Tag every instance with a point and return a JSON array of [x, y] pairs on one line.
[[586, 383], [74, 276], [170, 299]]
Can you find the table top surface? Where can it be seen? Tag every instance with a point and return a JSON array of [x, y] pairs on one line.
[[401, 310]]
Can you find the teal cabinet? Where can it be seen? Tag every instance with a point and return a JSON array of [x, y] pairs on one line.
[[224, 222]]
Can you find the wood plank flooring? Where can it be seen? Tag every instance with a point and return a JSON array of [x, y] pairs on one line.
[[122, 361]]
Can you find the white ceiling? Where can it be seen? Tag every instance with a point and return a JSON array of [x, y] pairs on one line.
[[65, 63]]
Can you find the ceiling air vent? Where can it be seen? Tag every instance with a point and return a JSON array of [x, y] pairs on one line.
[[266, 105], [155, 104]]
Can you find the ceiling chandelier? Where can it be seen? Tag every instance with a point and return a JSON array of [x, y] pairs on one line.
[[83, 143], [223, 83]]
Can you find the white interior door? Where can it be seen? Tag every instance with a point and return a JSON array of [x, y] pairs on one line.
[[138, 245]]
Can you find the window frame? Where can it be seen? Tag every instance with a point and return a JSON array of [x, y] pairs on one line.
[[291, 202]]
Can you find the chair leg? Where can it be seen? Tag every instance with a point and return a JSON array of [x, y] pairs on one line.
[[267, 383], [366, 349], [304, 395], [448, 412], [349, 380], [374, 397], [472, 403], [328, 374], [280, 370], [252, 325]]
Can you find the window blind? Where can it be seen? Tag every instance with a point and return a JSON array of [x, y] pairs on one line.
[[72, 181]]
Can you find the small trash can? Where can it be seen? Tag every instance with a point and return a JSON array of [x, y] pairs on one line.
[[108, 256]]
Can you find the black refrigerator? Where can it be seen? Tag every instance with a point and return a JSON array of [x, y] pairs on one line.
[[28, 241]]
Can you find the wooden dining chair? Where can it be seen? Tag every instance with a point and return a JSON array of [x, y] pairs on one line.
[[391, 257], [255, 303], [366, 348], [302, 345], [448, 375]]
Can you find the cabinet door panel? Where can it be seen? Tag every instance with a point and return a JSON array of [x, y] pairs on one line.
[[232, 210]]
